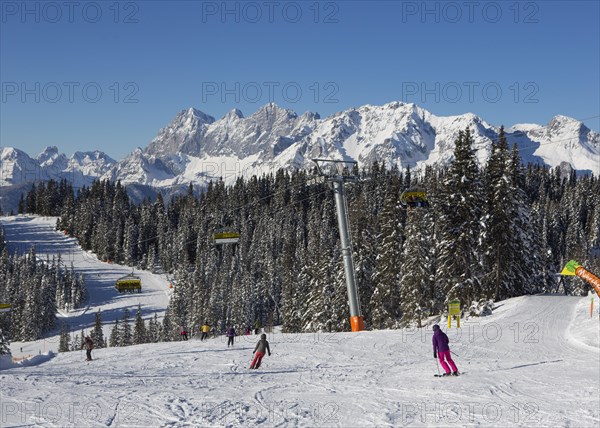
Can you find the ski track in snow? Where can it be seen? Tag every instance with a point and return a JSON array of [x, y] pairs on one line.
[[534, 362]]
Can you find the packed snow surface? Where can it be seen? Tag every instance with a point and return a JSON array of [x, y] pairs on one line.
[[534, 362]]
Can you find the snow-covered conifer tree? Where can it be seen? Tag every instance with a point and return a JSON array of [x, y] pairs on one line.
[[139, 329]]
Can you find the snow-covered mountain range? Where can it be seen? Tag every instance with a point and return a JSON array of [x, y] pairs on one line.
[[197, 148], [18, 170], [17, 167]]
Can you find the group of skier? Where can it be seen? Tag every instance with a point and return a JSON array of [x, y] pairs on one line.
[[261, 348], [441, 348], [440, 341]]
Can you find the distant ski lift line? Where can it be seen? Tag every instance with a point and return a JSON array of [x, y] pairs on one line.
[[281, 191]]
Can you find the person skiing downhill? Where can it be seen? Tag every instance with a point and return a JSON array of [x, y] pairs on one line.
[[88, 343], [230, 333], [259, 350], [441, 350], [205, 331], [184, 334]]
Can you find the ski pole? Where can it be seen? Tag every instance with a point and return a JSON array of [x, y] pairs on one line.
[[438, 366], [455, 354]]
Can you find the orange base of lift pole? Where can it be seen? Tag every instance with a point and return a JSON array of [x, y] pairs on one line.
[[357, 323]]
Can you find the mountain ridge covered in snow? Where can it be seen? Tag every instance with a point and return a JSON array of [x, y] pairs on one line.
[[81, 168], [197, 148]]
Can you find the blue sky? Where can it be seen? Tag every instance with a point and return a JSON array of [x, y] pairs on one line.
[[108, 75]]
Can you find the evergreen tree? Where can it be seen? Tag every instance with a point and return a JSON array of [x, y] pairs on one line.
[[139, 329], [154, 334], [81, 340], [125, 330], [75, 345], [500, 210], [30, 200], [97, 333], [385, 301], [65, 339], [4, 344], [526, 258], [417, 295], [167, 328], [115, 335], [458, 266], [292, 296], [21, 208]]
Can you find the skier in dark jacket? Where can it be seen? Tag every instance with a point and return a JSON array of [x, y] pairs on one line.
[[261, 347], [230, 333], [441, 350], [88, 343]]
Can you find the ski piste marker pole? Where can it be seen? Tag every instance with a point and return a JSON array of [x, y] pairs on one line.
[[573, 268]]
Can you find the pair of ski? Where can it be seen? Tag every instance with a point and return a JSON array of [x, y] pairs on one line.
[[450, 375]]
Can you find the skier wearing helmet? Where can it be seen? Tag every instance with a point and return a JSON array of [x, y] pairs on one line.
[[261, 347], [441, 350]]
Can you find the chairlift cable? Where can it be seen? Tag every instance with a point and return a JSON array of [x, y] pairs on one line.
[[271, 211], [249, 204]]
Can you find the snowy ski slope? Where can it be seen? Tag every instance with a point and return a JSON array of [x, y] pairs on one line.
[[534, 362], [23, 232]]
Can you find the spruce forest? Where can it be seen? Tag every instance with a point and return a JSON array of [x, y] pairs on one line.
[[492, 232], [36, 289]]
